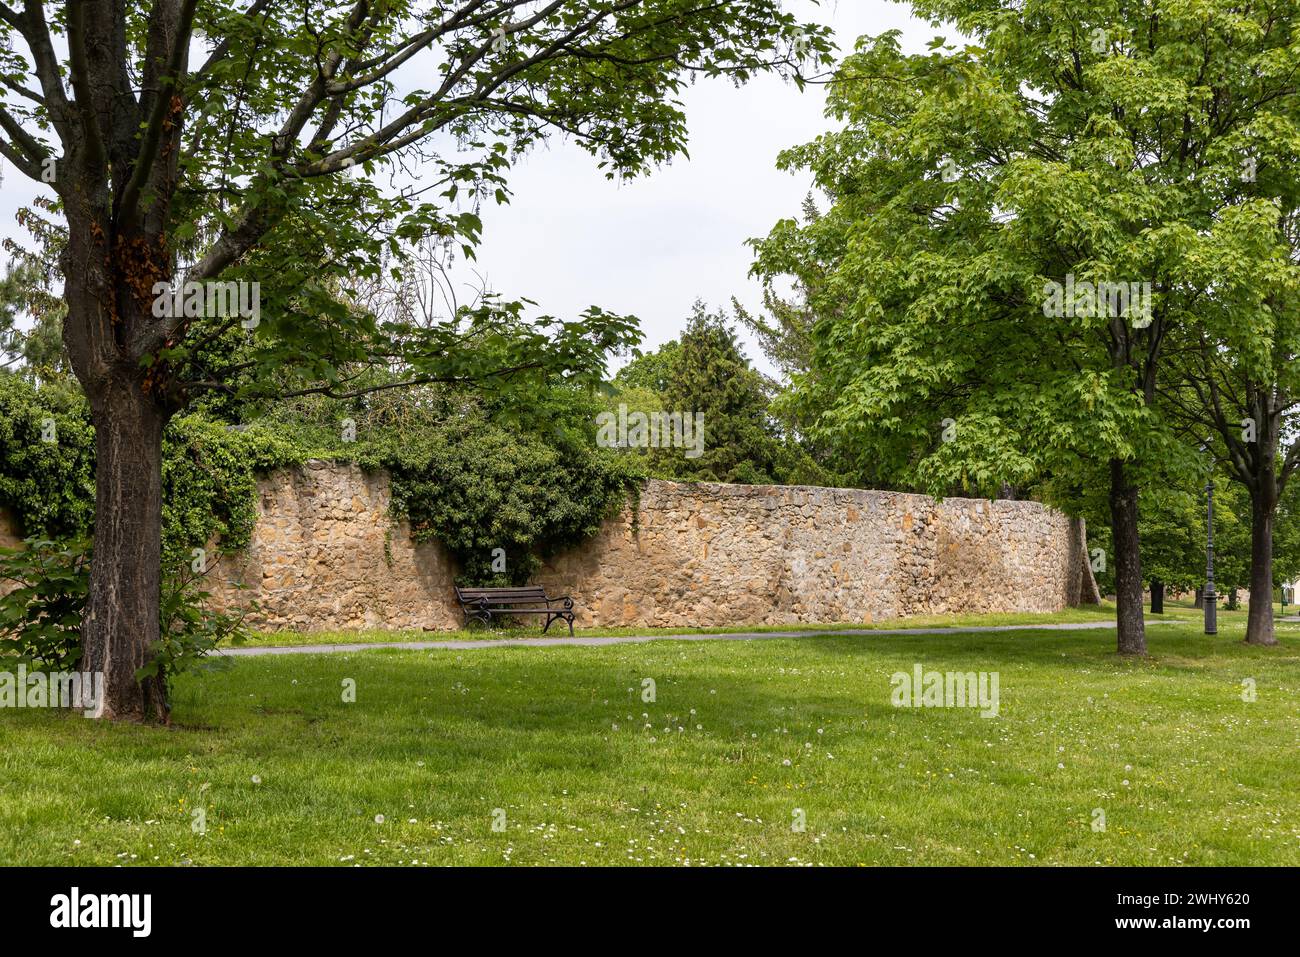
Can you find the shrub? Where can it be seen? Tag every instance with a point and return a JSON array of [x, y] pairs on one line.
[[49, 485], [477, 487], [191, 629], [40, 619]]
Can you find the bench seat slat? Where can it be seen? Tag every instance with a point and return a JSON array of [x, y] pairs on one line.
[[501, 592], [512, 610], [492, 593]]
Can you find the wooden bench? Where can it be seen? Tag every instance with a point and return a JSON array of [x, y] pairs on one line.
[[482, 604]]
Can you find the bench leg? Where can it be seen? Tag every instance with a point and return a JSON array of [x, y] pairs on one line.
[[555, 616]]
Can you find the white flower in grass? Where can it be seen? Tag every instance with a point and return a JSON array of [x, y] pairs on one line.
[[257, 779], [379, 819]]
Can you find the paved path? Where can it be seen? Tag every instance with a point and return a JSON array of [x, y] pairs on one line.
[[637, 639]]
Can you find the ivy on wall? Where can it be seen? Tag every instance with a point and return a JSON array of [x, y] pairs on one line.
[[209, 481], [499, 488], [209, 472], [47, 459], [500, 500]]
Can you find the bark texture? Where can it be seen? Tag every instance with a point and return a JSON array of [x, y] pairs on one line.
[[1259, 620], [1128, 562]]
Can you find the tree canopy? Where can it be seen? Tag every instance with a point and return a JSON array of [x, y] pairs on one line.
[[1027, 232], [260, 160]]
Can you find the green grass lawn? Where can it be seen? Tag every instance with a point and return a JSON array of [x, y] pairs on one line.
[[742, 735]]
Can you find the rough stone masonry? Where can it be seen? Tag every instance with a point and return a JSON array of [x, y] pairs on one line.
[[326, 554]]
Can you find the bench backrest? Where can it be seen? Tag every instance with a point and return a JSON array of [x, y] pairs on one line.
[[503, 596]]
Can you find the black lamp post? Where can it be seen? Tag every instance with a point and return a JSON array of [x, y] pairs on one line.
[[1210, 599]]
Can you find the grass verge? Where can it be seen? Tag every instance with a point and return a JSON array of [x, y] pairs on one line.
[[741, 743]]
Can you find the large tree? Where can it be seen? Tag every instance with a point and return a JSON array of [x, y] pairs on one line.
[[287, 143], [710, 376], [1026, 227], [1244, 386]]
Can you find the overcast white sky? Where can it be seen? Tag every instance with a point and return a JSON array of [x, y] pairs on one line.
[[569, 238]]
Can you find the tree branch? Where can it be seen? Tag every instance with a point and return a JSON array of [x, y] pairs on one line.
[[20, 161], [222, 49], [33, 148], [168, 83], [79, 68]]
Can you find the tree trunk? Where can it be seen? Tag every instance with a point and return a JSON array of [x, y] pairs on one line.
[[1199, 600], [121, 627], [1259, 621], [108, 279], [1083, 587], [1128, 562], [1157, 597]]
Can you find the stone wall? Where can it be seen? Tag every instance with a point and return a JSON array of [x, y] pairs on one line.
[[325, 554], [709, 554]]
